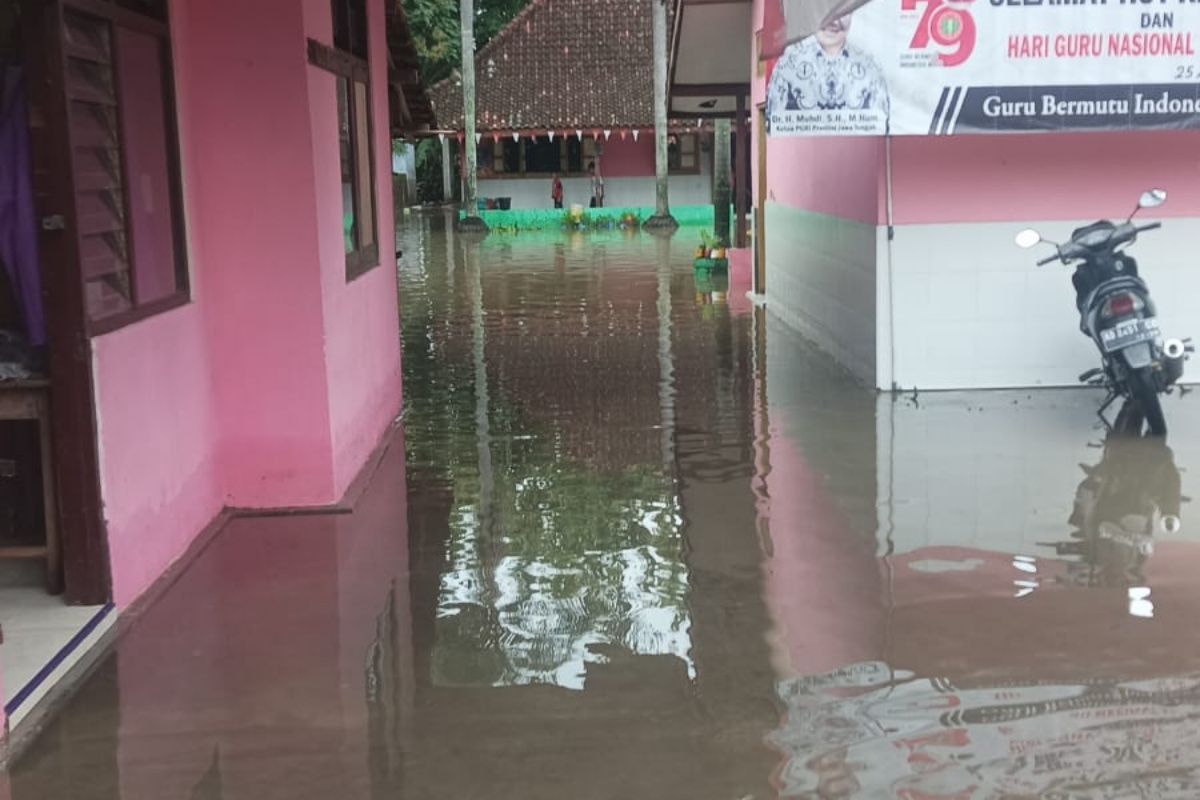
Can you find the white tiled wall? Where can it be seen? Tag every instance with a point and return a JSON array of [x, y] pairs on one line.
[[971, 309], [821, 281]]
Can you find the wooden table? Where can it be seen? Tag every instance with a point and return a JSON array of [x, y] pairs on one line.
[[30, 401]]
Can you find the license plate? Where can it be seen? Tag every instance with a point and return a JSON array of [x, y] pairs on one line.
[[1128, 333]]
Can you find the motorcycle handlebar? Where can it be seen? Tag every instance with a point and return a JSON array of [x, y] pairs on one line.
[[1049, 260], [1153, 226]]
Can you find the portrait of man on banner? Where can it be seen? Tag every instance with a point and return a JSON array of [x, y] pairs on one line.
[[825, 83]]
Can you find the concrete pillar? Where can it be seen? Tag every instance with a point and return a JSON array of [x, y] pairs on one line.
[[743, 171], [447, 172], [721, 176]]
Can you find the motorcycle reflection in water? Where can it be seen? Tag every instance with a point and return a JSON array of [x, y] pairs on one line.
[[871, 730], [1131, 496]]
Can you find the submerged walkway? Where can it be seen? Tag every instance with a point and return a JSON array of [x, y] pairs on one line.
[[637, 540]]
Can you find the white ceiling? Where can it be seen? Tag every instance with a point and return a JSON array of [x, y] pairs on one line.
[[715, 43], [693, 105]]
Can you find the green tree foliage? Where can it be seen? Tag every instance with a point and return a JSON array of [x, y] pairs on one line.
[[435, 28], [492, 15]]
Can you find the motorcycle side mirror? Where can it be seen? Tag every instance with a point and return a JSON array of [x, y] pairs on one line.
[[1153, 198], [1028, 238]]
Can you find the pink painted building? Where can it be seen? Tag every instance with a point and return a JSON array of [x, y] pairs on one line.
[[896, 255], [216, 252]]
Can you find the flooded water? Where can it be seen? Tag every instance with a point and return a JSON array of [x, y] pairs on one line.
[[639, 540]]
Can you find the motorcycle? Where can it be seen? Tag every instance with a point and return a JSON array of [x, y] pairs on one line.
[[1117, 313]]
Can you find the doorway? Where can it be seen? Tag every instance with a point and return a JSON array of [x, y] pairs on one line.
[[58, 391]]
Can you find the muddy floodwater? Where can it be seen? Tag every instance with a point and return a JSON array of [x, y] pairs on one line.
[[638, 539]]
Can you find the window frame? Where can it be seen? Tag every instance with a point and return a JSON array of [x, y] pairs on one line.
[[696, 154], [489, 146], [117, 15], [345, 65]]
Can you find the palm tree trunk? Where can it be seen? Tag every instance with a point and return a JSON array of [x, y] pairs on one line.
[[662, 215], [470, 166]]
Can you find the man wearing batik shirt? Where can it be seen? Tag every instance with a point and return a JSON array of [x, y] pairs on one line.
[[824, 73]]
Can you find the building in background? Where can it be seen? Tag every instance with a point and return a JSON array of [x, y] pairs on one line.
[[566, 84]]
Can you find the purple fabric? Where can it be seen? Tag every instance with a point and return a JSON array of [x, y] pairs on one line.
[[18, 224]]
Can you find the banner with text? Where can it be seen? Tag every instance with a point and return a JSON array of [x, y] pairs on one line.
[[943, 67]]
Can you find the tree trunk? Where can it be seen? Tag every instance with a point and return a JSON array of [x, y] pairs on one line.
[[722, 196], [470, 166], [662, 214]]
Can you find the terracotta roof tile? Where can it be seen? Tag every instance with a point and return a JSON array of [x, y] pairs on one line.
[[562, 65]]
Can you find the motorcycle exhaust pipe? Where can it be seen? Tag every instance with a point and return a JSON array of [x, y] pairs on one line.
[[1175, 354]]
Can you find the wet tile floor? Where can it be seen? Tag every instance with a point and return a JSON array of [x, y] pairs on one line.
[[640, 541]]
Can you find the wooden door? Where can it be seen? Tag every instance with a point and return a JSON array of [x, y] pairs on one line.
[[55, 92]]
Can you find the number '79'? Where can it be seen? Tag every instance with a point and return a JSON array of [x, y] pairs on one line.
[[947, 25]]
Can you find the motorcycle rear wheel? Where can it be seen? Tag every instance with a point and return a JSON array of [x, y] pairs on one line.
[[1144, 391]]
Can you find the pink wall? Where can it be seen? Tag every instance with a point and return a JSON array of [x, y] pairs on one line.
[[157, 445], [156, 426], [628, 159], [835, 177], [1041, 177], [273, 386], [255, 213], [364, 383]]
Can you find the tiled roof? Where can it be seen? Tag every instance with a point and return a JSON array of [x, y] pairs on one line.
[[562, 65]]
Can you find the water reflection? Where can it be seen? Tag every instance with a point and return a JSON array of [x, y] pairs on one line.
[[870, 731], [640, 540], [556, 549], [1131, 496], [1009, 727]]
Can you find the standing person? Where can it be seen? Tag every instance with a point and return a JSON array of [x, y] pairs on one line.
[[556, 191], [597, 186]]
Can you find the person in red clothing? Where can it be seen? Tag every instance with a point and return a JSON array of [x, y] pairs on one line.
[[556, 192]]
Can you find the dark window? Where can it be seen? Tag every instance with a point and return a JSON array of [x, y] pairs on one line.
[[509, 156], [575, 162], [127, 189], [543, 155], [348, 62], [350, 26]]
